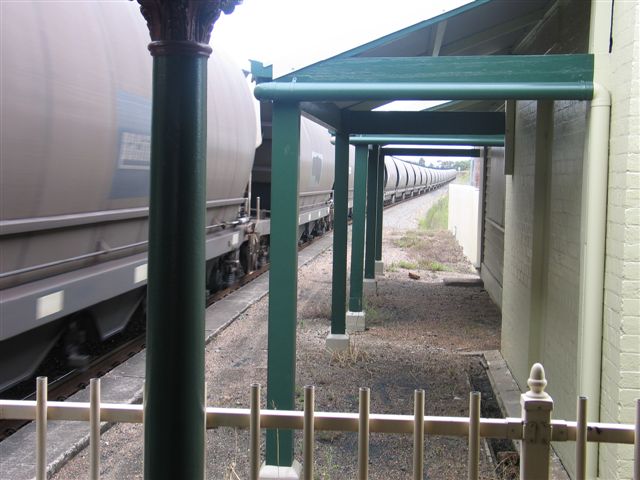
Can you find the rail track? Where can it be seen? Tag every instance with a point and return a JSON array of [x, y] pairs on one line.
[[67, 383]]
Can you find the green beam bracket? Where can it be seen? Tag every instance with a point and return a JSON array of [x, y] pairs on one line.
[[283, 276], [340, 205], [424, 123], [466, 140], [357, 228], [372, 199], [379, 205], [432, 152]]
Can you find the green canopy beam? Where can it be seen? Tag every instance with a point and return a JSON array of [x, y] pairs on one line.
[[432, 152], [323, 92], [476, 140], [424, 123]]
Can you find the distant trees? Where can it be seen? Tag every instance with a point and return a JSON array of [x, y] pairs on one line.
[[459, 165]]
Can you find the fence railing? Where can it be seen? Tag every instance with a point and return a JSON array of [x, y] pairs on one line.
[[535, 430]]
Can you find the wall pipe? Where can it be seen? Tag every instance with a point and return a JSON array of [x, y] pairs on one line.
[[355, 91], [592, 254]]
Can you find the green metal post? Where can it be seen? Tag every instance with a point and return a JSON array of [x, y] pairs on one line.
[[380, 202], [283, 276], [174, 387], [340, 205], [372, 196], [357, 228]]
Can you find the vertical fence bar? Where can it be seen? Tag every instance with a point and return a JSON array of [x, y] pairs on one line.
[[636, 460], [474, 436], [418, 434], [204, 442], [254, 431], [94, 429], [363, 435], [308, 431], [41, 428], [581, 439]]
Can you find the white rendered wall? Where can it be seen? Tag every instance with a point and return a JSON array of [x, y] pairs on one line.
[[463, 218]]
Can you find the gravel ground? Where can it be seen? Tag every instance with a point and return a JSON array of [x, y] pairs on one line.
[[421, 334]]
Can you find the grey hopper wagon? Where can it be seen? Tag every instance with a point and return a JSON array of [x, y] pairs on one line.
[[76, 109]]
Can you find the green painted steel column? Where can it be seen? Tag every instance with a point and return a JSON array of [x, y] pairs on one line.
[[283, 275], [379, 207], [357, 228], [372, 196], [340, 214], [174, 388]]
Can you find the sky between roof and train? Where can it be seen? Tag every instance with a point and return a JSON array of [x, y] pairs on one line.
[[290, 34], [293, 33]]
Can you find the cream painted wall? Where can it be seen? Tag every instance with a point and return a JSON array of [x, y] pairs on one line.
[[463, 218]]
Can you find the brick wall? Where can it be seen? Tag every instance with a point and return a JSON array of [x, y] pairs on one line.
[[621, 333], [516, 286]]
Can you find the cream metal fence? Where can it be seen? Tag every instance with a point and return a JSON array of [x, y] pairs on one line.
[[535, 430]]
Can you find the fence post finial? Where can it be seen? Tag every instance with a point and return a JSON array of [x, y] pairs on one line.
[[537, 382]]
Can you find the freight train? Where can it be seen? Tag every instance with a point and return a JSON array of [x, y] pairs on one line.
[[74, 177]]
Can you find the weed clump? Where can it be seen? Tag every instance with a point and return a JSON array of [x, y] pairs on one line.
[[437, 217]]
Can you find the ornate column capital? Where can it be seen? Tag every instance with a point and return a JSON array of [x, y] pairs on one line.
[[183, 26]]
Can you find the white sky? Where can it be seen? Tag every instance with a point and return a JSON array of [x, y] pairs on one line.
[[293, 33]]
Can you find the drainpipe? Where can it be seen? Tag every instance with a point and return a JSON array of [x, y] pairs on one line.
[[592, 257]]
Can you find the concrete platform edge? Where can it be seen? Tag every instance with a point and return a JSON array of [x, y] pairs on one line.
[[507, 395]]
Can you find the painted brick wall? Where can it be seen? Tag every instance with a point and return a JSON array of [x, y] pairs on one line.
[[559, 348], [559, 294], [621, 336], [516, 286]]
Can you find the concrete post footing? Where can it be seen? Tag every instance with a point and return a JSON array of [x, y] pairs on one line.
[[337, 342], [355, 322], [379, 267], [370, 287], [269, 472]]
